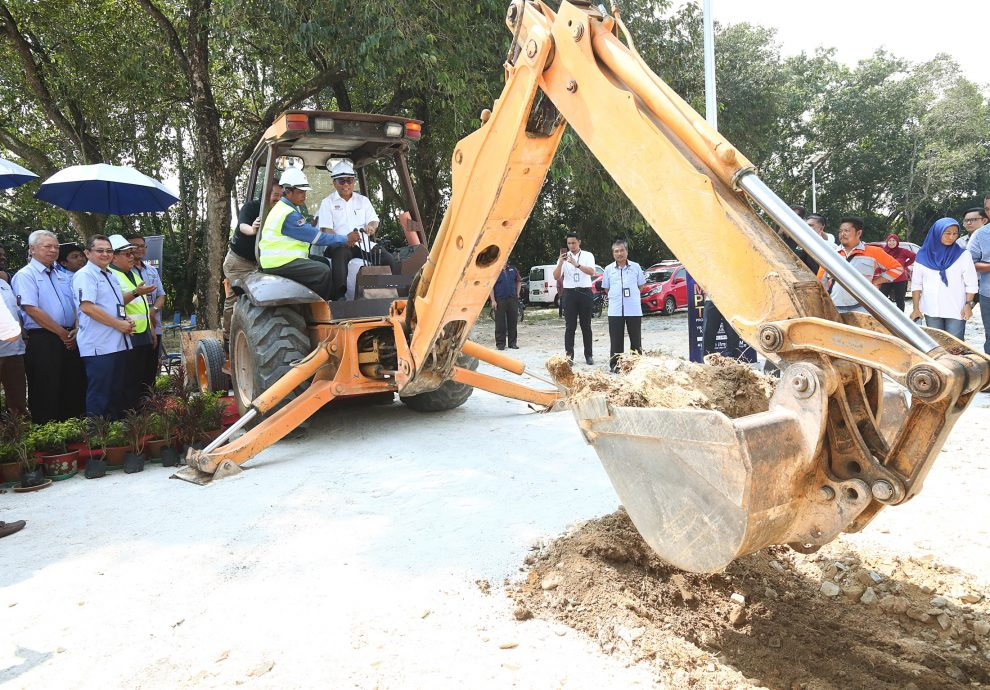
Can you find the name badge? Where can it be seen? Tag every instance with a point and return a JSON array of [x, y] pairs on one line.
[[121, 312], [625, 292], [577, 275]]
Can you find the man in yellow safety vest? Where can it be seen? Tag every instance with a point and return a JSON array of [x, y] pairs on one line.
[[283, 248], [139, 377]]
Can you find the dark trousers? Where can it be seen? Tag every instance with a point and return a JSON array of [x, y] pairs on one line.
[[577, 305], [895, 292], [139, 376], [55, 378], [712, 320], [985, 315], [14, 384], [506, 319], [313, 274], [340, 256], [105, 384], [616, 337]]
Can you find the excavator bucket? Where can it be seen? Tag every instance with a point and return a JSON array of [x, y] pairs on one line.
[[704, 489]]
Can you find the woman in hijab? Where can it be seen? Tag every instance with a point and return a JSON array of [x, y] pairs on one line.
[[944, 283], [897, 289]]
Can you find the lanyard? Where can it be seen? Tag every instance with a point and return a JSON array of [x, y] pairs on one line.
[[58, 294]]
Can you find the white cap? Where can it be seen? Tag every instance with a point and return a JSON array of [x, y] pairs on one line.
[[117, 242], [343, 169], [295, 178]]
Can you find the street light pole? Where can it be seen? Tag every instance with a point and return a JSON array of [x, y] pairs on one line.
[[711, 107], [814, 190]]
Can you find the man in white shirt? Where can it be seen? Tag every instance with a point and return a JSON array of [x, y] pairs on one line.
[[343, 211], [576, 267]]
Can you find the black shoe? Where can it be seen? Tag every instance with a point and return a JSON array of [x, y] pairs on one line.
[[500, 347], [8, 528], [589, 360], [513, 347]]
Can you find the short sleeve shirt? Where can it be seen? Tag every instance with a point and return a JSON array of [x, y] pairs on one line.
[[241, 244], [343, 216], [49, 290], [9, 324], [150, 276], [979, 249], [622, 285], [572, 276], [101, 288]]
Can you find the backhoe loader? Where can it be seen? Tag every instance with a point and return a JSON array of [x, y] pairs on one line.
[[839, 442]]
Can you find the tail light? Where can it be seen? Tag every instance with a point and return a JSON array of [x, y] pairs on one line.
[[546, 285], [297, 121], [414, 130]]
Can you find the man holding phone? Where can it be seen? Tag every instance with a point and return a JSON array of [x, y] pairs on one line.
[[576, 267], [56, 383], [104, 330]]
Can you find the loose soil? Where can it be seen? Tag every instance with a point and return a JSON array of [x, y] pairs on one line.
[[658, 380], [841, 618]]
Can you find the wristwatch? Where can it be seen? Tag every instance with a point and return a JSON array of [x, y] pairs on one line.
[[973, 302]]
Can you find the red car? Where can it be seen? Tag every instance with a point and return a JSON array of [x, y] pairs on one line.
[[665, 289]]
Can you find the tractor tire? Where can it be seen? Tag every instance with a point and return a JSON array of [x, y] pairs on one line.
[[449, 395], [209, 367], [264, 341], [669, 305]]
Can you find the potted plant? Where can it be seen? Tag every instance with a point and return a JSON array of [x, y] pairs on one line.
[[10, 463], [95, 433], [136, 429], [74, 430], [49, 441], [164, 412], [208, 408], [115, 444], [17, 435]]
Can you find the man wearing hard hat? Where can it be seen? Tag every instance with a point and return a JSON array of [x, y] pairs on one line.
[[344, 211], [283, 248]]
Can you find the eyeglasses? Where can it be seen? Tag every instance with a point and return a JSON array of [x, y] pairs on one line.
[[344, 180], [972, 220], [101, 251]]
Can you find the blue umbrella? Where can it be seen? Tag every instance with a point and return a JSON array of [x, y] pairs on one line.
[[13, 175], [107, 189]]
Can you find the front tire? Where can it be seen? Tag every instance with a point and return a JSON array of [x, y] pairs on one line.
[[264, 341], [209, 366], [669, 306], [449, 395]]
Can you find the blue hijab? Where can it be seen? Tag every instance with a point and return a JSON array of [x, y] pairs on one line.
[[935, 255]]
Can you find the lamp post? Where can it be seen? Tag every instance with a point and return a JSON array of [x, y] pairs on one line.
[[815, 161], [711, 107]]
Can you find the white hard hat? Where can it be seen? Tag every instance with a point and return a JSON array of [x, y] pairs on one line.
[[295, 178], [343, 169], [117, 242]]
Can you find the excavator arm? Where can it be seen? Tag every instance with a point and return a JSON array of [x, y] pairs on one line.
[[835, 446]]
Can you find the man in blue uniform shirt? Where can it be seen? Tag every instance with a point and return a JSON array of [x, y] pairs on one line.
[[505, 303], [56, 382]]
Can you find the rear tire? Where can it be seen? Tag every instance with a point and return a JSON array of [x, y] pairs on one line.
[[669, 305], [209, 366], [264, 341], [449, 395]]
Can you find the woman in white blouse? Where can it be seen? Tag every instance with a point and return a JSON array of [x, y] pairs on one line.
[[944, 283]]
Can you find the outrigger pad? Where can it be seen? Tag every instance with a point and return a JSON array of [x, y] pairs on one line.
[[227, 468]]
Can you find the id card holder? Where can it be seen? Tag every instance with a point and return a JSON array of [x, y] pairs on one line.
[[121, 312], [625, 292]]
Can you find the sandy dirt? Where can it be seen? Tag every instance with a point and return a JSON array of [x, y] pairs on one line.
[[388, 549]]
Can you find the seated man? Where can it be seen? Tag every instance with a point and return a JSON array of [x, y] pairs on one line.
[[283, 248], [344, 211]]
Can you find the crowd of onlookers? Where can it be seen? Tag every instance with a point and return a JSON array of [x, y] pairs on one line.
[[82, 327]]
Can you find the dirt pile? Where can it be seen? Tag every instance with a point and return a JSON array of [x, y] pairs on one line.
[[654, 380], [836, 619]]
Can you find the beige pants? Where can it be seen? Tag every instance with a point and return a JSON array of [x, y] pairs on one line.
[[234, 268]]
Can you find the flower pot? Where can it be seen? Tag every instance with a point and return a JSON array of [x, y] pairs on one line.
[[96, 466], [170, 456], [33, 477], [58, 464], [76, 446], [154, 449], [115, 456], [134, 462], [10, 472]]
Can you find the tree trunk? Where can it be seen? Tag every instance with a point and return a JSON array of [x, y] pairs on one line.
[[217, 230]]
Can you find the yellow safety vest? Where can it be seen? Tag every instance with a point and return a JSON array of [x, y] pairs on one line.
[[274, 248], [137, 308]]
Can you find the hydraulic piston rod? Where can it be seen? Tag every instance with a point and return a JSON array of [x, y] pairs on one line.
[[882, 309]]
